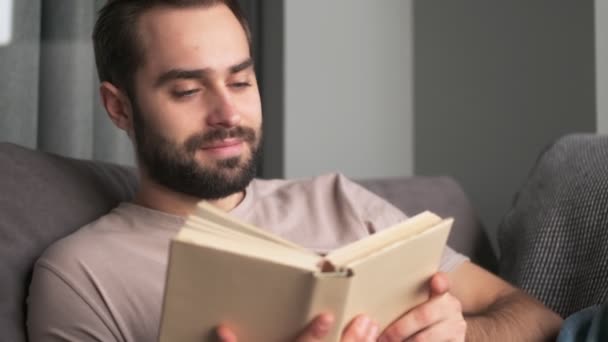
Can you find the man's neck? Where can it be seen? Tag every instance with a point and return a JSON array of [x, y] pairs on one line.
[[155, 196]]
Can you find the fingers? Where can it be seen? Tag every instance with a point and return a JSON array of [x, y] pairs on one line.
[[224, 334], [439, 284], [317, 329], [450, 330], [362, 328], [426, 316]]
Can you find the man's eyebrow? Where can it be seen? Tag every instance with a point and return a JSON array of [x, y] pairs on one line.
[[241, 66], [175, 74]]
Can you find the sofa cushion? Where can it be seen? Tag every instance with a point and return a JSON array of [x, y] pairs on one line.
[[445, 197], [554, 239], [43, 198]]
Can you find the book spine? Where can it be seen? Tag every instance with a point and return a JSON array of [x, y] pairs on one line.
[[329, 295]]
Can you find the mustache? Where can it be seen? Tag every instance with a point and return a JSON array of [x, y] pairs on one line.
[[196, 141]]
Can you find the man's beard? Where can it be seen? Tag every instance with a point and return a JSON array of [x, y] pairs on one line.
[[175, 166]]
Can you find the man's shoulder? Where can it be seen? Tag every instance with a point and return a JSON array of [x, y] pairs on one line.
[[111, 237], [87, 242], [112, 269]]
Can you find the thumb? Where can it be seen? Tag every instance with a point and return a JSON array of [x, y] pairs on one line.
[[317, 329], [439, 284], [224, 334]]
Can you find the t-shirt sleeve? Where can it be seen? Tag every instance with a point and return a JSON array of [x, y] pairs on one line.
[[380, 214], [56, 312]]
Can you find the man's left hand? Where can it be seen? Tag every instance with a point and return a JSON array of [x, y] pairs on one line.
[[438, 319]]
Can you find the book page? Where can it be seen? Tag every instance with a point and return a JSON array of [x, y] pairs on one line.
[[367, 245], [205, 211], [211, 228], [260, 249]]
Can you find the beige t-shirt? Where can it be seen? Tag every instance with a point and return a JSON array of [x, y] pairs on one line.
[[105, 282]]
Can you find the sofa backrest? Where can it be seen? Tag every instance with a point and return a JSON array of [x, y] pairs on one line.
[[43, 198], [445, 197]]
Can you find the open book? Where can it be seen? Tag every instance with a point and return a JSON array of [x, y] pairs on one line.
[[222, 270]]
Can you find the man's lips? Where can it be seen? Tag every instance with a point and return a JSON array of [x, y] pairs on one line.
[[223, 143], [224, 148]]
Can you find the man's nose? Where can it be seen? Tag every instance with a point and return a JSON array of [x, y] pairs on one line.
[[224, 112]]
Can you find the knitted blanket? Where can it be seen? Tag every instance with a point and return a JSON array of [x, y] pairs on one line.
[[554, 239]]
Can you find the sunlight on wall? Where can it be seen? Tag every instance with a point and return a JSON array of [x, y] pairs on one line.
[[6, 21]]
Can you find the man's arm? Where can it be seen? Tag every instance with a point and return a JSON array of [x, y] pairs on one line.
[[496, 311], [491, 309], [57, 313]]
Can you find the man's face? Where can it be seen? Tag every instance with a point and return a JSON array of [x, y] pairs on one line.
[[197, 111]]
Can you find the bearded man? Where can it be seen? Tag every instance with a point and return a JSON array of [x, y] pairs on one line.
[[177, 76]]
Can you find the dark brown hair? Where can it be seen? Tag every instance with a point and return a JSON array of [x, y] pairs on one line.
[[117, 51]]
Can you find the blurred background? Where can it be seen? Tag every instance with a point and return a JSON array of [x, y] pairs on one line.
[[472, 89]]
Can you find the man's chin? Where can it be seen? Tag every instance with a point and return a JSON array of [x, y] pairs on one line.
[[234, 163], [230, 175]]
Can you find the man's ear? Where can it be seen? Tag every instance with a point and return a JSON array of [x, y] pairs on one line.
[[117, 106]]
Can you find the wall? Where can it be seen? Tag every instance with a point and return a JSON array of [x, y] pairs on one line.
[[272, 87], [348, 96], [495, 82], [601, 55]]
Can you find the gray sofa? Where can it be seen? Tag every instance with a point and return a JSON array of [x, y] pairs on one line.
[[44, 197]]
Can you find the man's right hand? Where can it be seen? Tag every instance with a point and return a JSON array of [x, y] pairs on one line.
[[361, 329]]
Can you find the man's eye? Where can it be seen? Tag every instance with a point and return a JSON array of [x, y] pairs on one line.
[[240, 84], [185, 93]]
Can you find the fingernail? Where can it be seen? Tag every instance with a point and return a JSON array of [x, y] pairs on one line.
[[322, 326], [362, 324], [374, 332], [221, 334], [319, 331]]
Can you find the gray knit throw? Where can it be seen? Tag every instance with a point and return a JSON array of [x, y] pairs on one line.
[[554, 239]]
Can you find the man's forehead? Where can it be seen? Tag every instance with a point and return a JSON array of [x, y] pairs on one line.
[[192, 37]]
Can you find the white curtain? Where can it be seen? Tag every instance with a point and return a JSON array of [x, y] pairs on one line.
[[51, 102]]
